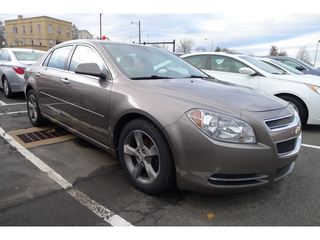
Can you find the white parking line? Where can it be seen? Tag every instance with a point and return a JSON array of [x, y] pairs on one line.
[[11, 104], [310, 146], [10, 113], [92, 205]]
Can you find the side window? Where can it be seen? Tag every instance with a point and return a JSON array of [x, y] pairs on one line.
[[291, 63], [45, 63], [59, 57], [84, 54], [198, 61], [225, 64]]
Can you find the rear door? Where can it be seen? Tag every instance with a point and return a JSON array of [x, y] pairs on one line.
[[85, 106], [50, 83]]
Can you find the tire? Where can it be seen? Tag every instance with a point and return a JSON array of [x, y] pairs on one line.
[[298, 106], [146, 157], [34, 111], [6, 88]]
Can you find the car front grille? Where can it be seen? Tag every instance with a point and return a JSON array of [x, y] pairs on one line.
[[275, 124]]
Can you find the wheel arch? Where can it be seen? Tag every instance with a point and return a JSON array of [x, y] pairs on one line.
[[283, 95], [128, 118]]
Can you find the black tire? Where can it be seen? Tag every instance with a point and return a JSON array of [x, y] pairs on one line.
[[34, 111], [298, 106], [146, 157], [6, 88]]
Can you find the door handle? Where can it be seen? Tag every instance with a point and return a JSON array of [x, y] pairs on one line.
[[64, 80]]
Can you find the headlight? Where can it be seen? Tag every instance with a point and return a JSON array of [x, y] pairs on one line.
[[221, 127], [314, 88]]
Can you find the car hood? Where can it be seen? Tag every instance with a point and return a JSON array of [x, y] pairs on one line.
[[213, 94], [306, 78]]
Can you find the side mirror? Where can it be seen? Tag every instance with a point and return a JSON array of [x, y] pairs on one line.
[[300, 68], [92, 69], [247, 71]]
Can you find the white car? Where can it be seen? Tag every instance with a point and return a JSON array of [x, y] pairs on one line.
[[286, 69], [300, 91]]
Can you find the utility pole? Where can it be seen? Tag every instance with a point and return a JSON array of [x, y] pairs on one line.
[[100, 27]]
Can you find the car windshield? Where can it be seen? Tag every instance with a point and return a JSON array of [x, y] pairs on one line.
[[28, 55], [265, 67], [140, 62]]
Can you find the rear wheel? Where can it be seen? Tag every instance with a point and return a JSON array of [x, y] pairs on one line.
[[34, 111], [145, 157], [6, 88]]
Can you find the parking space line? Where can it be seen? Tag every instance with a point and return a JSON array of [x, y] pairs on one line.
[[96, 208], [310, 146], [9, 113]]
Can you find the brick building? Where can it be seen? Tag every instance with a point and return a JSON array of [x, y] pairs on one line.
[[40, 33]]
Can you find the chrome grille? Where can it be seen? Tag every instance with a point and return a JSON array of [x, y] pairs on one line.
[[279, 122]]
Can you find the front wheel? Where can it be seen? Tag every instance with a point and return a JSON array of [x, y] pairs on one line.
[[145, 157], [33, 110]]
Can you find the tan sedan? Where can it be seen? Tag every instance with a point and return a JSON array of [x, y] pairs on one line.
[[168, 122]]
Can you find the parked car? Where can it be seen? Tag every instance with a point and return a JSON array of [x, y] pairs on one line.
[[168, 122], [286, 69], [297, 64], [302, 92], [13, 62]]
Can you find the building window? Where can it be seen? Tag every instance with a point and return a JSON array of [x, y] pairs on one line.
[[24, 42], [24, 29], [31, 30], [50, 29], [32, 42], [68, 32], [39, 28], [15, 42], [59, 30], [15, 30], [40, 42], [51, 42]]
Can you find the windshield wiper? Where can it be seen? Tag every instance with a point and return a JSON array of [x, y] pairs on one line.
[[150, 77]]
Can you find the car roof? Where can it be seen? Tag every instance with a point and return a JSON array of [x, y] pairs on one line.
[[23, 49]]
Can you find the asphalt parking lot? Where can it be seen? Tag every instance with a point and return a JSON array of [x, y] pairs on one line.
[[69, 182]]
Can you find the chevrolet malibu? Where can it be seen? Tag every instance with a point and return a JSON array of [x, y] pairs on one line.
[[169, 123]]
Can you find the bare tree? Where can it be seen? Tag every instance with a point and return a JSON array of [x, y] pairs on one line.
[[185, 45], [161, 46], [303, 54], [275, 52], [201, 49], [2, 34]]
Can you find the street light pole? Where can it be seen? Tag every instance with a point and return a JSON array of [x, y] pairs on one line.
[[100, 27], [139, 30], [315, 59]]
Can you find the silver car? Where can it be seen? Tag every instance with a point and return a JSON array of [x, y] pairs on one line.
[[13, 62], [169, 123]]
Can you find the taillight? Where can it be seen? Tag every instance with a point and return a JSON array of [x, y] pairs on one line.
[[18, 70]]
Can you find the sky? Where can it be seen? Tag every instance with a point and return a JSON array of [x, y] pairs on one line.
[[246, 26]]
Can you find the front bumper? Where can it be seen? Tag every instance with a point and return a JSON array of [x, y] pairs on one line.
[[206, 165]]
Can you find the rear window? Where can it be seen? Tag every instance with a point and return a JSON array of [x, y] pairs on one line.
[[27, 56]]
